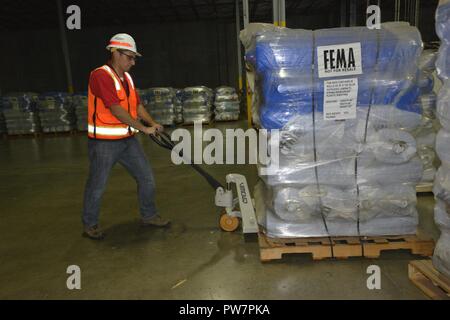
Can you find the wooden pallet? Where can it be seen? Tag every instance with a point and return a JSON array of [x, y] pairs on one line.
[[44, 134], [343, 247], [434, 284], [61, 134], [22, 135], [225, 121], [189, 124], [424, 187]]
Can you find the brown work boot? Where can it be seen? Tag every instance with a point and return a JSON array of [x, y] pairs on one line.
[[156, 221], [93, 233]]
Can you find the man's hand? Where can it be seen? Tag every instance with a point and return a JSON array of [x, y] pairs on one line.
[[158, 127], [149, 130]]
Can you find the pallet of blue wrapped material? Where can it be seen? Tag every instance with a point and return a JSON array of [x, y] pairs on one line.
[[3, 130], [56, 112], [178, 105], [345, 102], [80, 106], [197, 105], [20, 113], [226, 104], [441, 188], [160, 104]]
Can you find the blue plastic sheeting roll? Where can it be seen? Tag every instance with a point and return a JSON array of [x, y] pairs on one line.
[[287, 69]]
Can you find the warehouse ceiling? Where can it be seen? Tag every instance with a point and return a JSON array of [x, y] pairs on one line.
[[33, 14]]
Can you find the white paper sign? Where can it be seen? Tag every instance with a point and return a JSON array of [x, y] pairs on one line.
[[339, 60], [340, 98]]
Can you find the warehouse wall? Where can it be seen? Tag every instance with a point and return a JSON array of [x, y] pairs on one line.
[[178, 55]]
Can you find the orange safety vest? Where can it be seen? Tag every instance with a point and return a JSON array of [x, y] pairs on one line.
[[102, 124]]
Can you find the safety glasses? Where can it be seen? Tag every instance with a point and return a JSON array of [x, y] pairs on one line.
[[131, 58]]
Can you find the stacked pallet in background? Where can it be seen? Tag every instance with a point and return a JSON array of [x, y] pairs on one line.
[[56, 112], [142, 95], [425, 134], [226, 104], [348, 162], [2, 119], [178, 104], [80, 105], [197, 104], [26, 113], [441, 189], [159, 102], [20, 113]]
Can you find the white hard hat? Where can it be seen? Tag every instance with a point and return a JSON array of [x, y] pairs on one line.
[[123, 41]]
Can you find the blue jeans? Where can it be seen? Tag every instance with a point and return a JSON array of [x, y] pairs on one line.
[[103, 155]]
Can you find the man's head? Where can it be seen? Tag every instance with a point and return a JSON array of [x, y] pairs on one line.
[[124, 59], [123, 51]]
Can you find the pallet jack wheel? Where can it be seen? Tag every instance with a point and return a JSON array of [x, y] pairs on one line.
[[229, 223]]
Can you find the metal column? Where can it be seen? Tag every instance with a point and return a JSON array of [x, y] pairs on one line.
[[245, 15], [410, 12], [246, 12], [238, 46], [397, 10], [276, 14], [417, 16], [282, 13], [279, 12], [65, 48]]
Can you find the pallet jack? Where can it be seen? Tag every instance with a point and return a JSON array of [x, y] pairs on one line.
[[235, 209]]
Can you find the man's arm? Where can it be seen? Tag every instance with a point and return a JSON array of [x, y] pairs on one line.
[[125, 117], [143, 114]]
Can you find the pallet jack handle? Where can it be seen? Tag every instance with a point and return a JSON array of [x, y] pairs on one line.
[[163, 140]]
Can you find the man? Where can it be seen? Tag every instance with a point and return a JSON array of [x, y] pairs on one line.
[[113, 112]]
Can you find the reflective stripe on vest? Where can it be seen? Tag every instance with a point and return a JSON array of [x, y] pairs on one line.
[[129, 79], [108, 131], [111, 73]]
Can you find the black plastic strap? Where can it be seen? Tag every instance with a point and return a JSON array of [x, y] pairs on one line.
[[358, 212], [377, 58], [313, 70], [163, 140], [365, 138]]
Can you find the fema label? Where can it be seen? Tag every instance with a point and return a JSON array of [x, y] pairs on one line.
[[340, 98], [339, 60]]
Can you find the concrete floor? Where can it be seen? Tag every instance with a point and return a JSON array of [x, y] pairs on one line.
[[41, 189]]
